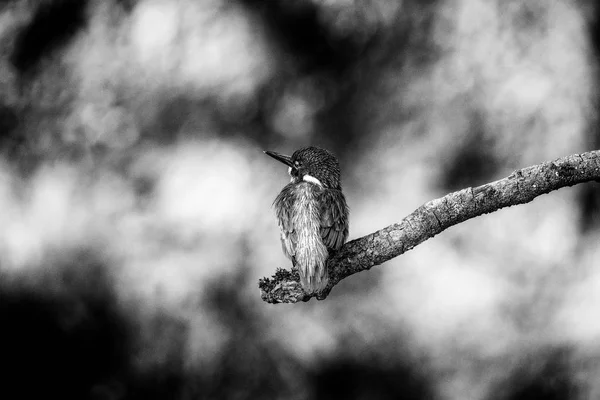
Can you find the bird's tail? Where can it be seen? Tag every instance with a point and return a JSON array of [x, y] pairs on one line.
[[314, 279], [310, 251]]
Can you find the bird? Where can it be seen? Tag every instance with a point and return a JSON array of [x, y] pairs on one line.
[[312, 213]]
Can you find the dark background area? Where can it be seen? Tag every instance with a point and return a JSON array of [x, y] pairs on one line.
[[136, 198]]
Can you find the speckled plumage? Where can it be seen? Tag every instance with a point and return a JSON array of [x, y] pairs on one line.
[[312, 214]]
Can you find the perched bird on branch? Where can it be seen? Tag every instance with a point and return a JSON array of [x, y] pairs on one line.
[[312, 213]]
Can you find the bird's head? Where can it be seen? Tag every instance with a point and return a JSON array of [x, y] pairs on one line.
[[313, 165]]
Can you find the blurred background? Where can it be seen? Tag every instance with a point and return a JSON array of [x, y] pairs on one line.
[[136, 211]]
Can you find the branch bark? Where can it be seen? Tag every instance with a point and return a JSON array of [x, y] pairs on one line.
[[433, 217]]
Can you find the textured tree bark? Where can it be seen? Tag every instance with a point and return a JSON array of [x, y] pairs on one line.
[[433, 217]]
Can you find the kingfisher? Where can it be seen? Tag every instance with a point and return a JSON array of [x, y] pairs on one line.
[[312, 213]]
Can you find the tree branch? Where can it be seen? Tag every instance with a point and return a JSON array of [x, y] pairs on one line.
[[433, 217]]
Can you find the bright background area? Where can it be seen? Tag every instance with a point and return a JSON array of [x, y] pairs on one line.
[[136, 200]]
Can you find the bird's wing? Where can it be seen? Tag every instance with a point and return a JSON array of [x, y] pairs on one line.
[[283, 209], [334, 218]]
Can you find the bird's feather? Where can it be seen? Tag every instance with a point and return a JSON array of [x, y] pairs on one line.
[[313, 222], [334, 218], [284, 211]]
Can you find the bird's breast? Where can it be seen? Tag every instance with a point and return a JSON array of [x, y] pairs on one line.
[[305, 192], [298, 210]]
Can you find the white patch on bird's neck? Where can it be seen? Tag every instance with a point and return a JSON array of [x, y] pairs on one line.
[[312, 179]]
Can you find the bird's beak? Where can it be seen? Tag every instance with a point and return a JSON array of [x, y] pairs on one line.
[[287, 160]]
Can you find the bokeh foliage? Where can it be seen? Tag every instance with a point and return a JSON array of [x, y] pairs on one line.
[[136, 200]]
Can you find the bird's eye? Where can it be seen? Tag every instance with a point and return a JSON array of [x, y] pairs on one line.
[[297, 164]]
